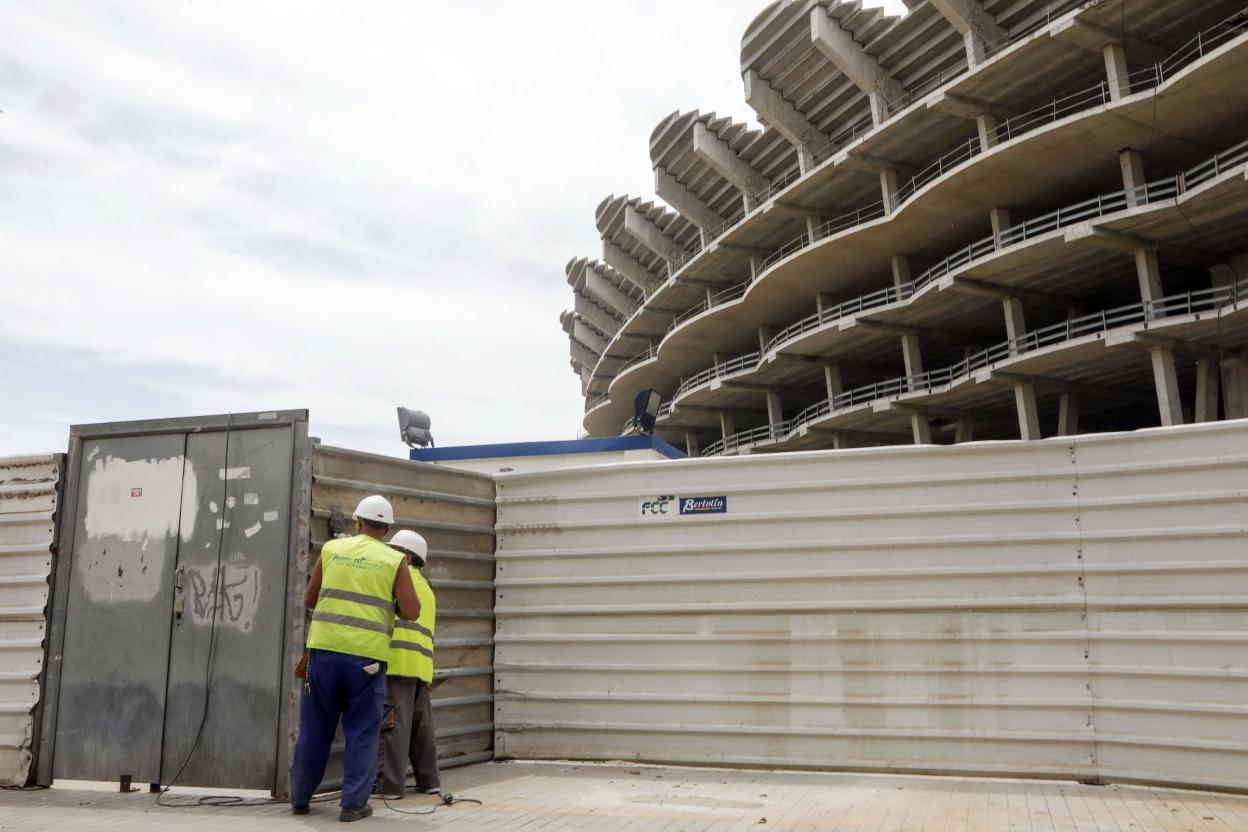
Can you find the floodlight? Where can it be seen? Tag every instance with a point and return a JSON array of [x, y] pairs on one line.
[[414, 428], [646, 410]]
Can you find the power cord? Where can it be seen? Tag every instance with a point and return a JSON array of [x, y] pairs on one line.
[[212, 800], [448, 799]]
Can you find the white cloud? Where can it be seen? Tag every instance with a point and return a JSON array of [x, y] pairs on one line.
[[239, 206]]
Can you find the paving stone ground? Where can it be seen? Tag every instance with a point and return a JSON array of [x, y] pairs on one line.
[[564, 797]]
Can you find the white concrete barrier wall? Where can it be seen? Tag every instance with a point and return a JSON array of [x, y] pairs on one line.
[[28, 502], [1072, 608]]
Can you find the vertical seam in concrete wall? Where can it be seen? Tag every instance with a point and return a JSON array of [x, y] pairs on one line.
[[1087, 623]]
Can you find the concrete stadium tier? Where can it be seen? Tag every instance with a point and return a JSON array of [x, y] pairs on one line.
[[936, 190]]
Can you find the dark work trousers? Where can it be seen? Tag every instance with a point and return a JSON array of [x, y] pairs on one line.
[[407, 734], [338, 686]]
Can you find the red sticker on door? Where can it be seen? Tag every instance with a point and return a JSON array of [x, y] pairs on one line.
[[136, 492]]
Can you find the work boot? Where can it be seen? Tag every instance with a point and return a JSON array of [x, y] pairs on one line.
[[349, 815], [300, 810]]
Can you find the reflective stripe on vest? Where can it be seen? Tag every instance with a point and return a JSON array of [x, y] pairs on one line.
[[411, 649], [355, 609]]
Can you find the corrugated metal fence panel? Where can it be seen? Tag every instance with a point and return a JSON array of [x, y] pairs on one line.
[[1164, 527], [902, 609], [454, 510], [28, 504]]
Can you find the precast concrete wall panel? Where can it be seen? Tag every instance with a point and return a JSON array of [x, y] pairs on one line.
[[29, 499], [454, 511], [1068, 608]]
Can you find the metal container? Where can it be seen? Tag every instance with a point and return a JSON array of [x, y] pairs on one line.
[[154, 676], [1069, 608]]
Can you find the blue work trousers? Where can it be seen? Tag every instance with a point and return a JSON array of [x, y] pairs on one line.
[[338, 687]]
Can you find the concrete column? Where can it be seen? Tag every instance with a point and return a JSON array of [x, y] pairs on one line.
[[986, 124], [1015, 322], [920, 427], [588, 336], [595, 316], [756, 266], [775, 410], [1207, 372], [692, 446], [765, 334], [1166, 380], [860, 67], [813, 221], [1235, 388], [1028, 415], [780, 114], [911, 354], [1132, 165], [832, 380], [1116, 71], [726, 426], [901, 270], [1068, 414], [688, 204], [976, 26], [709, 294], [1148, 271], [1221, 275], [1024, 391], [964, 431], [658, 241], [607, 292], [716, 153], [888, 187], [624, 263], [824, 301], [1000, 219]]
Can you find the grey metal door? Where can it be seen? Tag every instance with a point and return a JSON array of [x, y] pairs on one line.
[[116, 646], [237, 541], [173, 621]]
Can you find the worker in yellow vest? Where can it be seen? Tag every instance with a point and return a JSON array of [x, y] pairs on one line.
[[353, 591], [407, 725]]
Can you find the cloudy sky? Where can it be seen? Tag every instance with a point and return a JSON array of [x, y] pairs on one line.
[[236, 206]]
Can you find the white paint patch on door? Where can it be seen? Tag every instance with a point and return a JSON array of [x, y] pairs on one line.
[[133, 510], [141, 498]]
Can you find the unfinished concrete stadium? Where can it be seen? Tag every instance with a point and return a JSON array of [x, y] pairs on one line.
[[984, 219]]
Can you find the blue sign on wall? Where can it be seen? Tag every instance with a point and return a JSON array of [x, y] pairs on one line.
[[703, 505]]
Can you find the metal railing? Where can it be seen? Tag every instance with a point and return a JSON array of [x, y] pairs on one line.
[[721, 297], [841, 140], [1204, 42], [927, 85], [776, 185], [749, 361], [590, 404], [1052, 12], [1172, 306], [644, 355], [1052, 112]]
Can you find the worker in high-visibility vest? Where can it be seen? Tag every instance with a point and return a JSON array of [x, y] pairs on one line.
[[353, 592], [407, 726]]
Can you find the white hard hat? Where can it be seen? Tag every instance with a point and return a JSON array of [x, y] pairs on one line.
[[375, 509], [411, 543]]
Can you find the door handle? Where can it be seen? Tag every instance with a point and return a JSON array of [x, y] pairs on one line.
[[179, 595]]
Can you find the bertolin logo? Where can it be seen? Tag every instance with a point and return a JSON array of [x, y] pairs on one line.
[[703, 505]]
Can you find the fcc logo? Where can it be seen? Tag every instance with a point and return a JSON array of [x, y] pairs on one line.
[[663, 506]]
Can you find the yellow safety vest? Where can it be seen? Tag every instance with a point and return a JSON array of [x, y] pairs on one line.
[[355, 611], [411, 649]]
